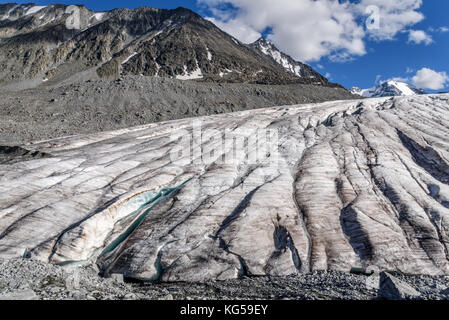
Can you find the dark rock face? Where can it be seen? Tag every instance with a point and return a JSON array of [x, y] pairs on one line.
[[391, 288], [37, 44]]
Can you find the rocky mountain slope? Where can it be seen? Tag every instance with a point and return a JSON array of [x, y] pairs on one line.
[[332, 186], [389, 89], [299, 69], [44, 46]]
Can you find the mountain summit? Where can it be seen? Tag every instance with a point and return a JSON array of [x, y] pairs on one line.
[[37, 45], [389, 89]]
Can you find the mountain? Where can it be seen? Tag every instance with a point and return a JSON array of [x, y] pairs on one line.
[[389, 89], [39, 47], [333, 186], [299, 69]]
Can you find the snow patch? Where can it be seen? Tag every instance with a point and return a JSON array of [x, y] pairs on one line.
[[99, 15], [129, 58], [158, 67], [297, 71], [209, 54], [34, 9], [235, 41], [221, 74], [196, 74], [157, 33], [404, 88]]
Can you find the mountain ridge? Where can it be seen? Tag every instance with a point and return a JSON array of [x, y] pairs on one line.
[[37, 47], [297, 68]]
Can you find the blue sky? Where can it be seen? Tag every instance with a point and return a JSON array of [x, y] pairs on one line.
[[389, 59], [367, 59]]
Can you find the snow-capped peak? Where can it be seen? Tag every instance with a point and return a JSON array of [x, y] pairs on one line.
[[389, 89], [299, 69]]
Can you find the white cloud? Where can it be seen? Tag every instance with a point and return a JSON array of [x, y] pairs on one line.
[[236, 28], [419, 36], [311, 29], [440, 29], [430, 79], [378, 79], [399, 79], [394, 16]]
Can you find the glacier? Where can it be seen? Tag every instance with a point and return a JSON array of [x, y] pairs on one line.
[[345, 184]]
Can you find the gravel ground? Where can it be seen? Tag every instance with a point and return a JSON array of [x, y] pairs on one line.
[[93, 106], [29, 279]]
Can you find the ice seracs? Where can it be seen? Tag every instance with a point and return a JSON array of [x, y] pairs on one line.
[[335, 186]]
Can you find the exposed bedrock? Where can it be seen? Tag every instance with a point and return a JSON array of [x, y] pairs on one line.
[[334, 186]]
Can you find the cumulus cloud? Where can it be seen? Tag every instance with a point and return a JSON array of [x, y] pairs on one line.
[[430, 79], [394, 16], [311, 29], [419, 36], [236, 28]]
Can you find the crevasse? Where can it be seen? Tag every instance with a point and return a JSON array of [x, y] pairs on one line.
[[137, 208]]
